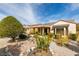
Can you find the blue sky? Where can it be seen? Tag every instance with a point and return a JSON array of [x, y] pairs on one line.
[[40, 12]]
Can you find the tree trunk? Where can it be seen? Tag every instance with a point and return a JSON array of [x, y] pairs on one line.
[[13, 39]]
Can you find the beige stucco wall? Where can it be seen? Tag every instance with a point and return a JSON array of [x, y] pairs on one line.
[[28, 31], [71, 27], [51, 27]]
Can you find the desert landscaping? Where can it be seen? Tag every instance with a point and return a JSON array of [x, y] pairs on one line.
[[25, 47], [17, 40]]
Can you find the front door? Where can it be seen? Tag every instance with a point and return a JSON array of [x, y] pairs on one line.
[[60, 31]]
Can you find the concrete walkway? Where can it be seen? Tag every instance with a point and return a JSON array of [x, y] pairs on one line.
[[61, 51], [73, 45], [4, 42]]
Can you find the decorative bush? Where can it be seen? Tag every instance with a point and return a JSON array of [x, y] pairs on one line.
[[50, 36], [64, 40], [57, 36], [42, 42], [10, 27], [77, 38], [22, 36], [73, 36]]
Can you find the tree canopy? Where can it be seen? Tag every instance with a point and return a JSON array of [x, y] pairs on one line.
[[10, 27]]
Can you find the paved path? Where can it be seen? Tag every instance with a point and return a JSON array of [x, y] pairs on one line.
[[73, 45], [3, 42], [61, 51]]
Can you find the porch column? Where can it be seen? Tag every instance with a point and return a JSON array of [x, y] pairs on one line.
[[55, 31], [34, 30], [64, 30], [48, 30], [42, 31]]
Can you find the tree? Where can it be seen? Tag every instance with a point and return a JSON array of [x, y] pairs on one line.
[[10, 27]]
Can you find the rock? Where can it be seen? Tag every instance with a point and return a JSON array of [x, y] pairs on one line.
[[40, 52]]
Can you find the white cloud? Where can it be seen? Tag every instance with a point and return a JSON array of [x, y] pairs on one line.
[[30, 14], [26, 12], [76, 18], [74, 6], [2, 16], [53, 18]]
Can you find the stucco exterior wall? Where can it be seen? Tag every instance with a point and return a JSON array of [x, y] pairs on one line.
[[51, 29], [72, 28], [28, 31]]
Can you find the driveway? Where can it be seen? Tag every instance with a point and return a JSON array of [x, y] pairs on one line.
[[3, 42], [61, 50]]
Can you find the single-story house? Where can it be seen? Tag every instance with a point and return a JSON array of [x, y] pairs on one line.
[[60, 27]]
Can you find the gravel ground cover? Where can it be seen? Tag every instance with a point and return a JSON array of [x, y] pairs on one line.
[[28, 45]]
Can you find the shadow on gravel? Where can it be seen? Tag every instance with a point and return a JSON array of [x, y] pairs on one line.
[[10, 50], [19, 40], [74, 48]]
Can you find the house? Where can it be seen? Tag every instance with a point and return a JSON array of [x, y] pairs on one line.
[[60, 27]]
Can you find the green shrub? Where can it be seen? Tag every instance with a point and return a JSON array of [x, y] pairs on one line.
[[57, 36], [77, 38], [64, 40], [73, 36], [42, 42], [22, 36], [50, 37], [10, 27]]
